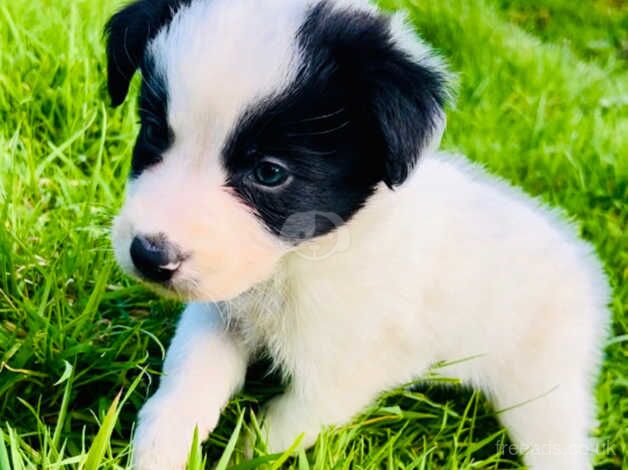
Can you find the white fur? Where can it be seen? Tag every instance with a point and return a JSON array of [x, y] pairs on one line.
[[452, 265]]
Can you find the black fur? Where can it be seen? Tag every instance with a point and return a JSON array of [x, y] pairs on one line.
[[155, 135], [128, 33], [359, 113]]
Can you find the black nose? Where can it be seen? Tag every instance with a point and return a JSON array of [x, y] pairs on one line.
[[155, 258]]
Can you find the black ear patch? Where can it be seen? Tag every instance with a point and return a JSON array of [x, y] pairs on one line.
[[128, 33], [403, 98]]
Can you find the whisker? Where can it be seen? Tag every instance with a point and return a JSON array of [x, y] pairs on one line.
[[150, 99], [298, 149], [329, 131], [323, 116], [149, 115], [153, 89]]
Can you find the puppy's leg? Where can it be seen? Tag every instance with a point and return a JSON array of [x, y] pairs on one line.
[[204, 366], [310, 405], [293, 414], [546, 404], [550, 432]]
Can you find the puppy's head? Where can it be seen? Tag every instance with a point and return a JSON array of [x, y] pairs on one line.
[[256, 117]]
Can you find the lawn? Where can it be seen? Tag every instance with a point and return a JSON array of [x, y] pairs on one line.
[[542, 101]]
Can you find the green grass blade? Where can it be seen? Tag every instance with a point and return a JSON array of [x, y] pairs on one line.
[[226, 455], [67, 378], [287, 454], [98, 448], [303, 462], [195, 459], [257, 462], [4, 455]]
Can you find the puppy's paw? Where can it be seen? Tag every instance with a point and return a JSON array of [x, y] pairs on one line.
[[165, 432], [283, 425]]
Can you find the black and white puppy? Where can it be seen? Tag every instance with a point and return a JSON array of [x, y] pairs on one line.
[[276, 186]]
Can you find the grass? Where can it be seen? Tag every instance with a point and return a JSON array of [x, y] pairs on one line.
[[542, 101]]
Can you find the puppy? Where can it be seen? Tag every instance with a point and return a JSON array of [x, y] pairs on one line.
[[286, 182]]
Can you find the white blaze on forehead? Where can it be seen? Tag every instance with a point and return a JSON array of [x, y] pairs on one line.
[[221, 56]]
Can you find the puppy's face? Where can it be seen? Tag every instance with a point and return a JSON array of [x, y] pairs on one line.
[[258, 120]]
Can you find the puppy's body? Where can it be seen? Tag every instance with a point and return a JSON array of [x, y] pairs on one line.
[[351, 286], [496, 279]]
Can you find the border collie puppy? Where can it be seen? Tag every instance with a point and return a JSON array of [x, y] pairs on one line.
[[286, 182]]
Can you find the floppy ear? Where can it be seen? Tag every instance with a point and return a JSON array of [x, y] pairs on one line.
[[407, 88], [392, 81], [128, 33], [407, 99]]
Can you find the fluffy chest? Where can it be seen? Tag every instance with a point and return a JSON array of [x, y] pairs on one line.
[[329, 325]]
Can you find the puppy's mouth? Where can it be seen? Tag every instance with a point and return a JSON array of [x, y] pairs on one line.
[[172, 267], [176, 287]]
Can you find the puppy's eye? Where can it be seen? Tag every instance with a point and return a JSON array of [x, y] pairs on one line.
[[152, 133], [270, 174]]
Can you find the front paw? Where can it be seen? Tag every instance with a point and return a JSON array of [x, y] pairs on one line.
[[285, 425], [165, 432]]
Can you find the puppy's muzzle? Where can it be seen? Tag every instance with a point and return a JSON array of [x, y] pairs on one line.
[[156, 259]]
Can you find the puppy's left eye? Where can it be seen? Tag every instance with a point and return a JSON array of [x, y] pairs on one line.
[[270, 174]]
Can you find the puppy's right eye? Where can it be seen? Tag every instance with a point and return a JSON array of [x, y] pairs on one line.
[[155, 135], [150, 133], [153, 141]]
